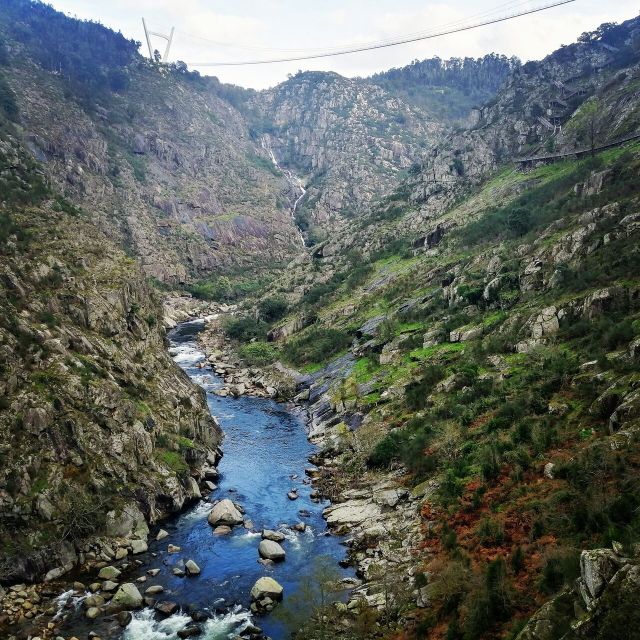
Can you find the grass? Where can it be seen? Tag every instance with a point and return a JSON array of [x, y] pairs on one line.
[[173, 460], [432, 352]]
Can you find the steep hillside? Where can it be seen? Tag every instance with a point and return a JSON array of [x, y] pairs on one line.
[[471, 360], [165, 165], [99, 430], [350, 140]]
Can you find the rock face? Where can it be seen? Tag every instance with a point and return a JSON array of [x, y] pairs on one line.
[[323, 120], [270, 550], [265, 594], [225, 513]]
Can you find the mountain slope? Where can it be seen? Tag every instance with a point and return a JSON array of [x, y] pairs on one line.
[[166, 167], [100, 431], [475, 341], [351, 140]]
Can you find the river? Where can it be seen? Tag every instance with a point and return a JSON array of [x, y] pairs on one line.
[[265, 456]]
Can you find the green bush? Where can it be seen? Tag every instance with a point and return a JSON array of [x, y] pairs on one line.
[[258, 353], [316, 345], [245, 329], [416, 393], [388, 450], [272, 309]]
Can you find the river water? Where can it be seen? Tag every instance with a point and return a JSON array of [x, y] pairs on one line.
[[265, 455]]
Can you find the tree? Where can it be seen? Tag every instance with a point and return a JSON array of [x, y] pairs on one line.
[[307, 612], [590, 114]]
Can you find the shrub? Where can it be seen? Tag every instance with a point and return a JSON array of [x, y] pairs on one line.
[[417, 392], [490, 532], [317, 345], [388, 450], [245, 329], [272, 309], [258, 353]]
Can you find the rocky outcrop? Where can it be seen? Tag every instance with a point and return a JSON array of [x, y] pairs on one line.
[[605, 593], [322, 121]]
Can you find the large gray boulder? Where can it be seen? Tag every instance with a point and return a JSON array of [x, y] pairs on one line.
[[271, 550], [128, 596], [265, 594], [225, 513], [597, 567]]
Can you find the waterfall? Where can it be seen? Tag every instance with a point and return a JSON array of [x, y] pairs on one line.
[[292, 179]]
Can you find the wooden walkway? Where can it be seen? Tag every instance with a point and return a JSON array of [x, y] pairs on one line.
[[575, 153]]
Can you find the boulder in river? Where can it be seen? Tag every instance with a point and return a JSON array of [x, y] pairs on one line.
[[292, 495], [222, 530], [225, 513], [108, 573], [138, 546], [128, 596], [271, 550], [92, 613], [162, 534], [276, 536], [166, 607], [191, 568], [265, 594], [154, 590]]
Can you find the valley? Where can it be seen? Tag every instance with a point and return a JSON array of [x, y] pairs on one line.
[[387, 328]]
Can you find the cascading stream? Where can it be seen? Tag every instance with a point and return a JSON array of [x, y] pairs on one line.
[[293, 180]]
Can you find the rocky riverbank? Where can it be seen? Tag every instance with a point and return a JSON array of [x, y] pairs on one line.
[[378, 514]]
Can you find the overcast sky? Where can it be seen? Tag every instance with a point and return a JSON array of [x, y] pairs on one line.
[[250, 29]]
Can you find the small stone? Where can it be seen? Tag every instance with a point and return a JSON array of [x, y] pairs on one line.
[[222, 530], [109, 585], [275, 536], [121, 553], [162, 534], [189, 632], [172, 548], [124, 618], [191, 568], [178, 572], [92, 613], [138, 546]]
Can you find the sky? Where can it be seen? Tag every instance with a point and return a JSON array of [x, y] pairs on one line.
[[241, 30]]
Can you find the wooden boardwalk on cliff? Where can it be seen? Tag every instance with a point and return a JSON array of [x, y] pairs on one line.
[[574, 153]]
